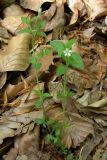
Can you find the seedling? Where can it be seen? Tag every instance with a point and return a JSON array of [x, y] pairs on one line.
[[70, 58]]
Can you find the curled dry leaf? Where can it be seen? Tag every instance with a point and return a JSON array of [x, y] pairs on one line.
[[57, 20], [32, 4], [3, 77], [15, 57], [75, 6], [15, 90], [96, 8]]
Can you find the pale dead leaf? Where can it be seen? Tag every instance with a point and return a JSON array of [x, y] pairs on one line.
[[13, 10], [3, 33], [96, 8], [27, 101], [28, 142], [77, 132], [75, 6], [15, 57], [57, 20], [3, 77], [33, 5], [11, 126], [15, 90], [81, 80], [90, 146], [12, 154]]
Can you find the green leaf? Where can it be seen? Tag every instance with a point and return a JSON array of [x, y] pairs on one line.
[[70, 43], [61, 70], [38, 103], [76, 61], [26, 30], [42, 34], [37, 65], [46, 95], [26, 20], [58, 46], [57, 132], [41, 121]]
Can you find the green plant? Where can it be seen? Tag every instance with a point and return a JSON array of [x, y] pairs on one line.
[[53, 133], [70, 58], [34, 26]]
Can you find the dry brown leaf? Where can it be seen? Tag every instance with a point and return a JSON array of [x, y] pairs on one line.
[[13, 125], [50, 12], [101, 51], [15, 90], [12, 154], [28, 142], [78, 131], [13, 10], [3, 77], [33, 5], [96, 8], [15, 57], [81, 80], [90, 145], [75, 6], [46, 61], [27, 101], [11, 23], [57, 20]]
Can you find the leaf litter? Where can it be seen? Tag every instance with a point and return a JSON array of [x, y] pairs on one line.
[[86, 135]]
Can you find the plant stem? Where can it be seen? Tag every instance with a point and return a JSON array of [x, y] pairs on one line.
[[65, 86], [37, 79]]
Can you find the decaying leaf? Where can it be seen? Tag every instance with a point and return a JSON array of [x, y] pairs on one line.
[[90, 145], [13, 125], [96, 8], [15, 57], [80, 80]]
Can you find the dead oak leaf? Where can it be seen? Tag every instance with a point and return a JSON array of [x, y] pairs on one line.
[[15, 57]]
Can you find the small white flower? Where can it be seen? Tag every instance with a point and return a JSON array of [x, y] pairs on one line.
[[67, 52]]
